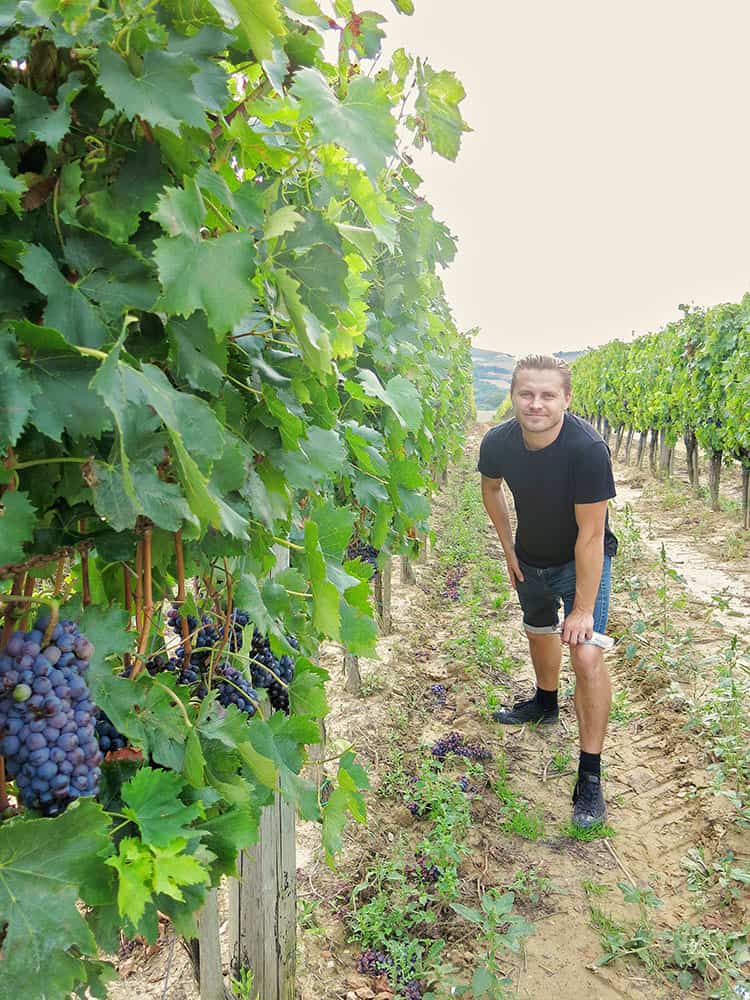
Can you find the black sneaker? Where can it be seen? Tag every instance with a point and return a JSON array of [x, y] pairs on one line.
[[588, 801], [526, 711]]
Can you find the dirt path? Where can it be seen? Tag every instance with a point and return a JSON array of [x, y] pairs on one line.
[[464, 633]]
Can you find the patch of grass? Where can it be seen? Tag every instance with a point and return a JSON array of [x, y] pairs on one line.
[[371, 684], [596, 832], [516, 816], [621, 711], [530, 886], [595, 889], [561, 759]]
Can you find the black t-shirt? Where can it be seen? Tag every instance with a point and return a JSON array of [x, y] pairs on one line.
[[546, 484]]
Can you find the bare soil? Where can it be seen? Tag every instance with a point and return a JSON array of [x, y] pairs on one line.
[[656, 778]]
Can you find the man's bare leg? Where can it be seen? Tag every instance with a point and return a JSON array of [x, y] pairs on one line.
[[593, 696], [546, 657]]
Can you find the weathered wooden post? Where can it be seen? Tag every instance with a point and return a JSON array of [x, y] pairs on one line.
[[352, 676], [382, 587], [263, 899], [208, 954]]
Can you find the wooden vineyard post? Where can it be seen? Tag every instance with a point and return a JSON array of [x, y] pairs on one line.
[[352, 676], [210, 972], [407, 570], [382, 586], [263, 899], [423, 553]]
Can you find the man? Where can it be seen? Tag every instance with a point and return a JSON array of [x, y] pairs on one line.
[[560, 474]]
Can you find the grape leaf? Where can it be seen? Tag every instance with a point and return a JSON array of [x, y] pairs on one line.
[[43, 862], [334, 526], [261, 22], [318, 457], [188, 271], [399, 393], [362, 123], [312, 338], [152, 801], [17, 522], [345, 799], [439, 95], [68, 310], [11, 189], [68, 402], [111, 499], [35, 119], [181, 211], [134, 865], [162, 95], [17, 391], [228, 834], [359, 632], [174, 868], [325, 596], [195, 353], [403, 6], [307, 694]]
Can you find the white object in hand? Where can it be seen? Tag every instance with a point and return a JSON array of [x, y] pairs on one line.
[[598, 639]]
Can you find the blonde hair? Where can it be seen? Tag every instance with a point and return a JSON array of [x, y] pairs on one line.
[[543, 362]]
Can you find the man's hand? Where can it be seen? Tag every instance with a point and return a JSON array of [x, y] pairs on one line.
[[514, 570], [579, 625]]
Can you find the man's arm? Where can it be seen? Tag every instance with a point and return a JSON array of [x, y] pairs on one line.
[[589, 557], [497, 508]]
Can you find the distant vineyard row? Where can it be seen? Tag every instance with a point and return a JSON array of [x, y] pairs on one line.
[[690, 379]]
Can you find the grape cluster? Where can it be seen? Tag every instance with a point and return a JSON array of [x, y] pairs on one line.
[[439, 693], [271, 673], [233, 689], [363, 551], [373, 963], [413, 990], [453, 583], [47, 718], [428, 873], [108, 736], [454, 743], [266, 670]]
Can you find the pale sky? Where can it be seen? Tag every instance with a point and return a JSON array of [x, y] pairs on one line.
[[607, 178]]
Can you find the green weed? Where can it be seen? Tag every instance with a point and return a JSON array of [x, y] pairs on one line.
[[530, 886], [621, 711], [595, 832], [502, 931], [516, 816]]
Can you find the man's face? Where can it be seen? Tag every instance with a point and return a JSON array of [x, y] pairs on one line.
[[539, 400]]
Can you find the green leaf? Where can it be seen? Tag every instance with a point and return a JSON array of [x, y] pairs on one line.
[[307, 691], [35, 119], [188, 273], [134, 864], [17, 523], [68, 403], [173, 868], [195, 353], [312, 338], [181, 211], [472, 915], [403, 6], [482, 981], [114, 210], [261, 22], [359, 631], [17, 391], [398, 393], [43, 863], [319, 456], [362, 123], [283, 220], [152, 801], [68, 310], [228, 834], [162, 95], [325, 596], [334, 527], [111, 499], [11, 189], [439, 95]]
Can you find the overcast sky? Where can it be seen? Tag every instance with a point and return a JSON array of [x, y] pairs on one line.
[[607, 178]]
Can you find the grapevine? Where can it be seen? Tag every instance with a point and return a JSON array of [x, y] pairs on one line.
[[222, 332]]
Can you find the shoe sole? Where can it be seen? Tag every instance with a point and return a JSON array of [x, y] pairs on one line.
[[546, 720]]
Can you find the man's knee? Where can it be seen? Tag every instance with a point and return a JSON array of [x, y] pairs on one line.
[[587, 661]]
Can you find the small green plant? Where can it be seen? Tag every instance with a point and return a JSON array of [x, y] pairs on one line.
[[516, 816], [725, 877], [502, 931], [530, 886], [585, 836], [621, 711], [394, 779], [595, 889], [561, 759], [306, 917], [242, 985], [371, 684]]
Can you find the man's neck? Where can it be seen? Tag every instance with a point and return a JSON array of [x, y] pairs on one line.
[[535, 442]]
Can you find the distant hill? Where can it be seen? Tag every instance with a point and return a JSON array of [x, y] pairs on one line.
[[492, 372]]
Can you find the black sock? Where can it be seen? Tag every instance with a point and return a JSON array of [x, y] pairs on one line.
[[590, 763], [547, 700]]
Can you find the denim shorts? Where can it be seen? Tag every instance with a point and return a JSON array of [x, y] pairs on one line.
[[543, 588]]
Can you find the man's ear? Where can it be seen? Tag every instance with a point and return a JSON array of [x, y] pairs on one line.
[[568, 398]]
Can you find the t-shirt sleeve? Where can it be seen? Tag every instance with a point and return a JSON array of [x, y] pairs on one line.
[[490, 462], [592, 472]]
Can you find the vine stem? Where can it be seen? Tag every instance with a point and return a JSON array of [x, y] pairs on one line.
[[180, 557], [14, 593], [51, 461], [139, 586], [174, 698], [54, 618], [3, 789], [28, 593], [148, 602], [86, 582], [59, 575]]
